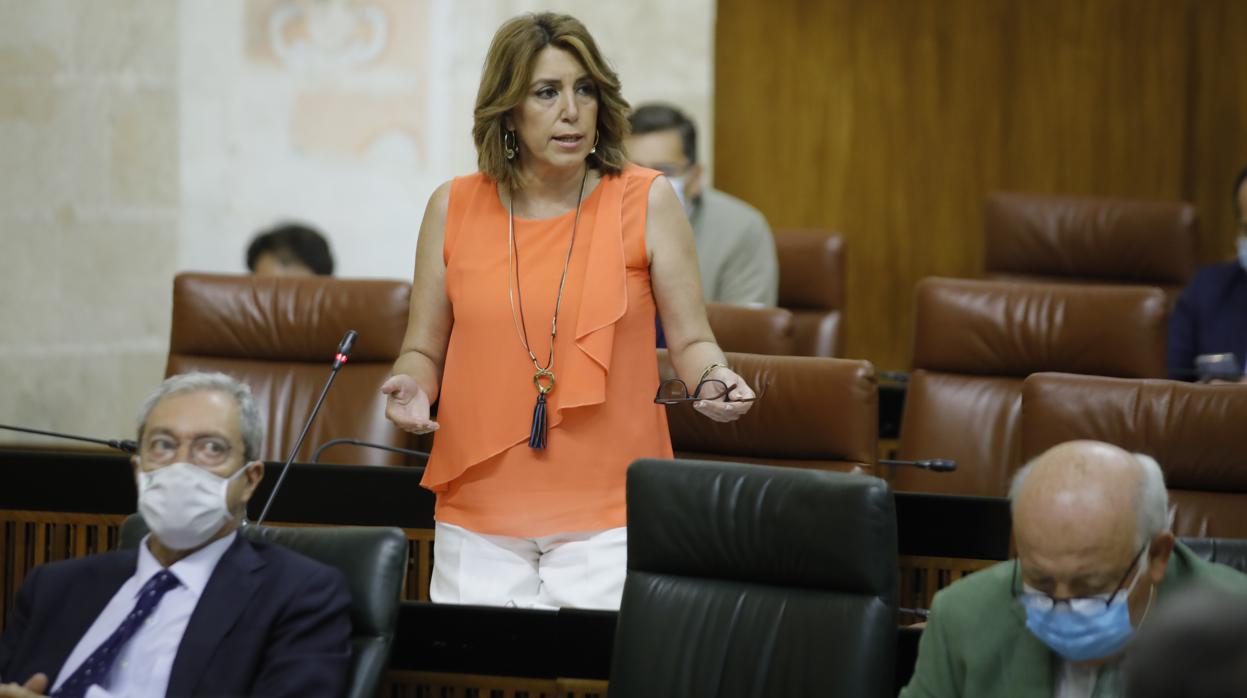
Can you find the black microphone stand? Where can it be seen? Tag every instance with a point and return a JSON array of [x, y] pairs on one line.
[[935, 465], [125, 445], [365, 444], [344, 351]]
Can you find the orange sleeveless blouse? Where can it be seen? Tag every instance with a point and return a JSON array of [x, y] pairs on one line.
[[601, 413]]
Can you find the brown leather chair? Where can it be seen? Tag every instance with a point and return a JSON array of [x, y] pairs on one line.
[[1197, 432], [1078, 239], [817, 413], [811, 285], [976, 341], [279, 335], [750, 330]]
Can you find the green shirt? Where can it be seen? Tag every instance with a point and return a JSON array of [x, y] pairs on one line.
[[976, 642]]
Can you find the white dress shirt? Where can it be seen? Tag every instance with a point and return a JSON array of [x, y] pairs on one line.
[[1075, 680], [142, 667]]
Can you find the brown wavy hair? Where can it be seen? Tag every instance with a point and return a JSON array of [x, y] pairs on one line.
[[504, 85]]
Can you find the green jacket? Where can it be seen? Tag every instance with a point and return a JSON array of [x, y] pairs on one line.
[[976, 642]]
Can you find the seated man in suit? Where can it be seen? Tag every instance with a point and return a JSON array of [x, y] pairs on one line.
[[1211, 314], [1095, 553], [197, 609]]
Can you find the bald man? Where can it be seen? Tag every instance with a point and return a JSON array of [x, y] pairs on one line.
[[1090, 522]]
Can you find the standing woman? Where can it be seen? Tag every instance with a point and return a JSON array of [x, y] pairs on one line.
[[532, 318]]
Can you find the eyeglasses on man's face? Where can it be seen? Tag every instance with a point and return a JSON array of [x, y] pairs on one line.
[[207, 451], [1082, 605], [674, 391]]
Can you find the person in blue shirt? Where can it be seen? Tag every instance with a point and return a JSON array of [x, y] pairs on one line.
[[1211, 314]]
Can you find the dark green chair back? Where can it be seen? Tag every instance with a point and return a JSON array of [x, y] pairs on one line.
[[733, 566], [373, 559]]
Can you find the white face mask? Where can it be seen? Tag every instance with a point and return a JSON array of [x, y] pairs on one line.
[[183, 504]]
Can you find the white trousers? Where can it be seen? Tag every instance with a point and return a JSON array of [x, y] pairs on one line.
[[565, 570]]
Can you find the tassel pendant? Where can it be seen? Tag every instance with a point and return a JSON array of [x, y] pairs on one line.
[[543, 380], [537, 436]]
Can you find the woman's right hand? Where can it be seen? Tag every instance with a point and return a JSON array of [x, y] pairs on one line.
[[407, 405]]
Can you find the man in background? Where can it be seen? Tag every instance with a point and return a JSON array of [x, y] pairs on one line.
[[1211, 314], [735, 249], [290, 250]]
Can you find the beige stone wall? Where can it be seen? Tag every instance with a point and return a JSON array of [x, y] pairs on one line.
[[89, 208], [144, 137], [348, 114]]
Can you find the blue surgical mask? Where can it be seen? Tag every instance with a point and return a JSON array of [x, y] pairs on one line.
[[1242, 251], [1085, 634]]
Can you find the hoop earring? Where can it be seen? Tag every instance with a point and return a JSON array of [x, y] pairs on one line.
[[509, 147], [596, 137]]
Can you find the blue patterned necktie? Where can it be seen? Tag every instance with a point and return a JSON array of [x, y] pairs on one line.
[[95, 669]]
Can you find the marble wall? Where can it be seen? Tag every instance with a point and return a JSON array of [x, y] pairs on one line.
[[144, 137]]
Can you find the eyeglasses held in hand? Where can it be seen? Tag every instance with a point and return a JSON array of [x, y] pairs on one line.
[[674, 391]]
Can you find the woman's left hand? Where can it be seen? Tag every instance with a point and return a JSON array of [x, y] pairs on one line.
[[725, 410]]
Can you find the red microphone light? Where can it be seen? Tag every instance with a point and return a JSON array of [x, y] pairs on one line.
[[340, 358]]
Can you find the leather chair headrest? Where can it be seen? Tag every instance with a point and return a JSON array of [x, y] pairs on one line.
[[716, 520], [812, 269], [1195, 431], [1128, 240], [282, 318], [815, 409], [750, 330], [999, 328]]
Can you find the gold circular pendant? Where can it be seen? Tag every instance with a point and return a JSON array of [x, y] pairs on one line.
[[544, 380]]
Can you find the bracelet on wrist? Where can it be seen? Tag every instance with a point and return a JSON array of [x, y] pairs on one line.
[[708, 369]]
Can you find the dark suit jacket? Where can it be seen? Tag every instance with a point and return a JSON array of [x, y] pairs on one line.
[[270, 623], [1210, 318]]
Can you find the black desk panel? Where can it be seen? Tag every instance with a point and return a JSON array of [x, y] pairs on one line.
[[360, 495], [504, 641], [927, 524], [464, 639]]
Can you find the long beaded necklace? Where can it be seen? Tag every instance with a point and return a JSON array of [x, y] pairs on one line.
[[543, 379]]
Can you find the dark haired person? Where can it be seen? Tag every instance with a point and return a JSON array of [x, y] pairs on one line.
[[1211, 314], [290, 250], [735, 249], [536, 285]]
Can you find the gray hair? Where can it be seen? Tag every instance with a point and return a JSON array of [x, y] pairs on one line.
[[1151, 501], [250, 423]]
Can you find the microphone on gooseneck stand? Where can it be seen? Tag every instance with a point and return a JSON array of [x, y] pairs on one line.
[[339, 359], [935, 465], [364, 444], [125, 445]]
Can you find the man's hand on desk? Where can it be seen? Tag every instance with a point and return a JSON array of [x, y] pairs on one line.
[[36, 686]]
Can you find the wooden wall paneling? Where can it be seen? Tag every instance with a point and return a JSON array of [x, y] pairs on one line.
[[1217, 138], [890, 121]]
